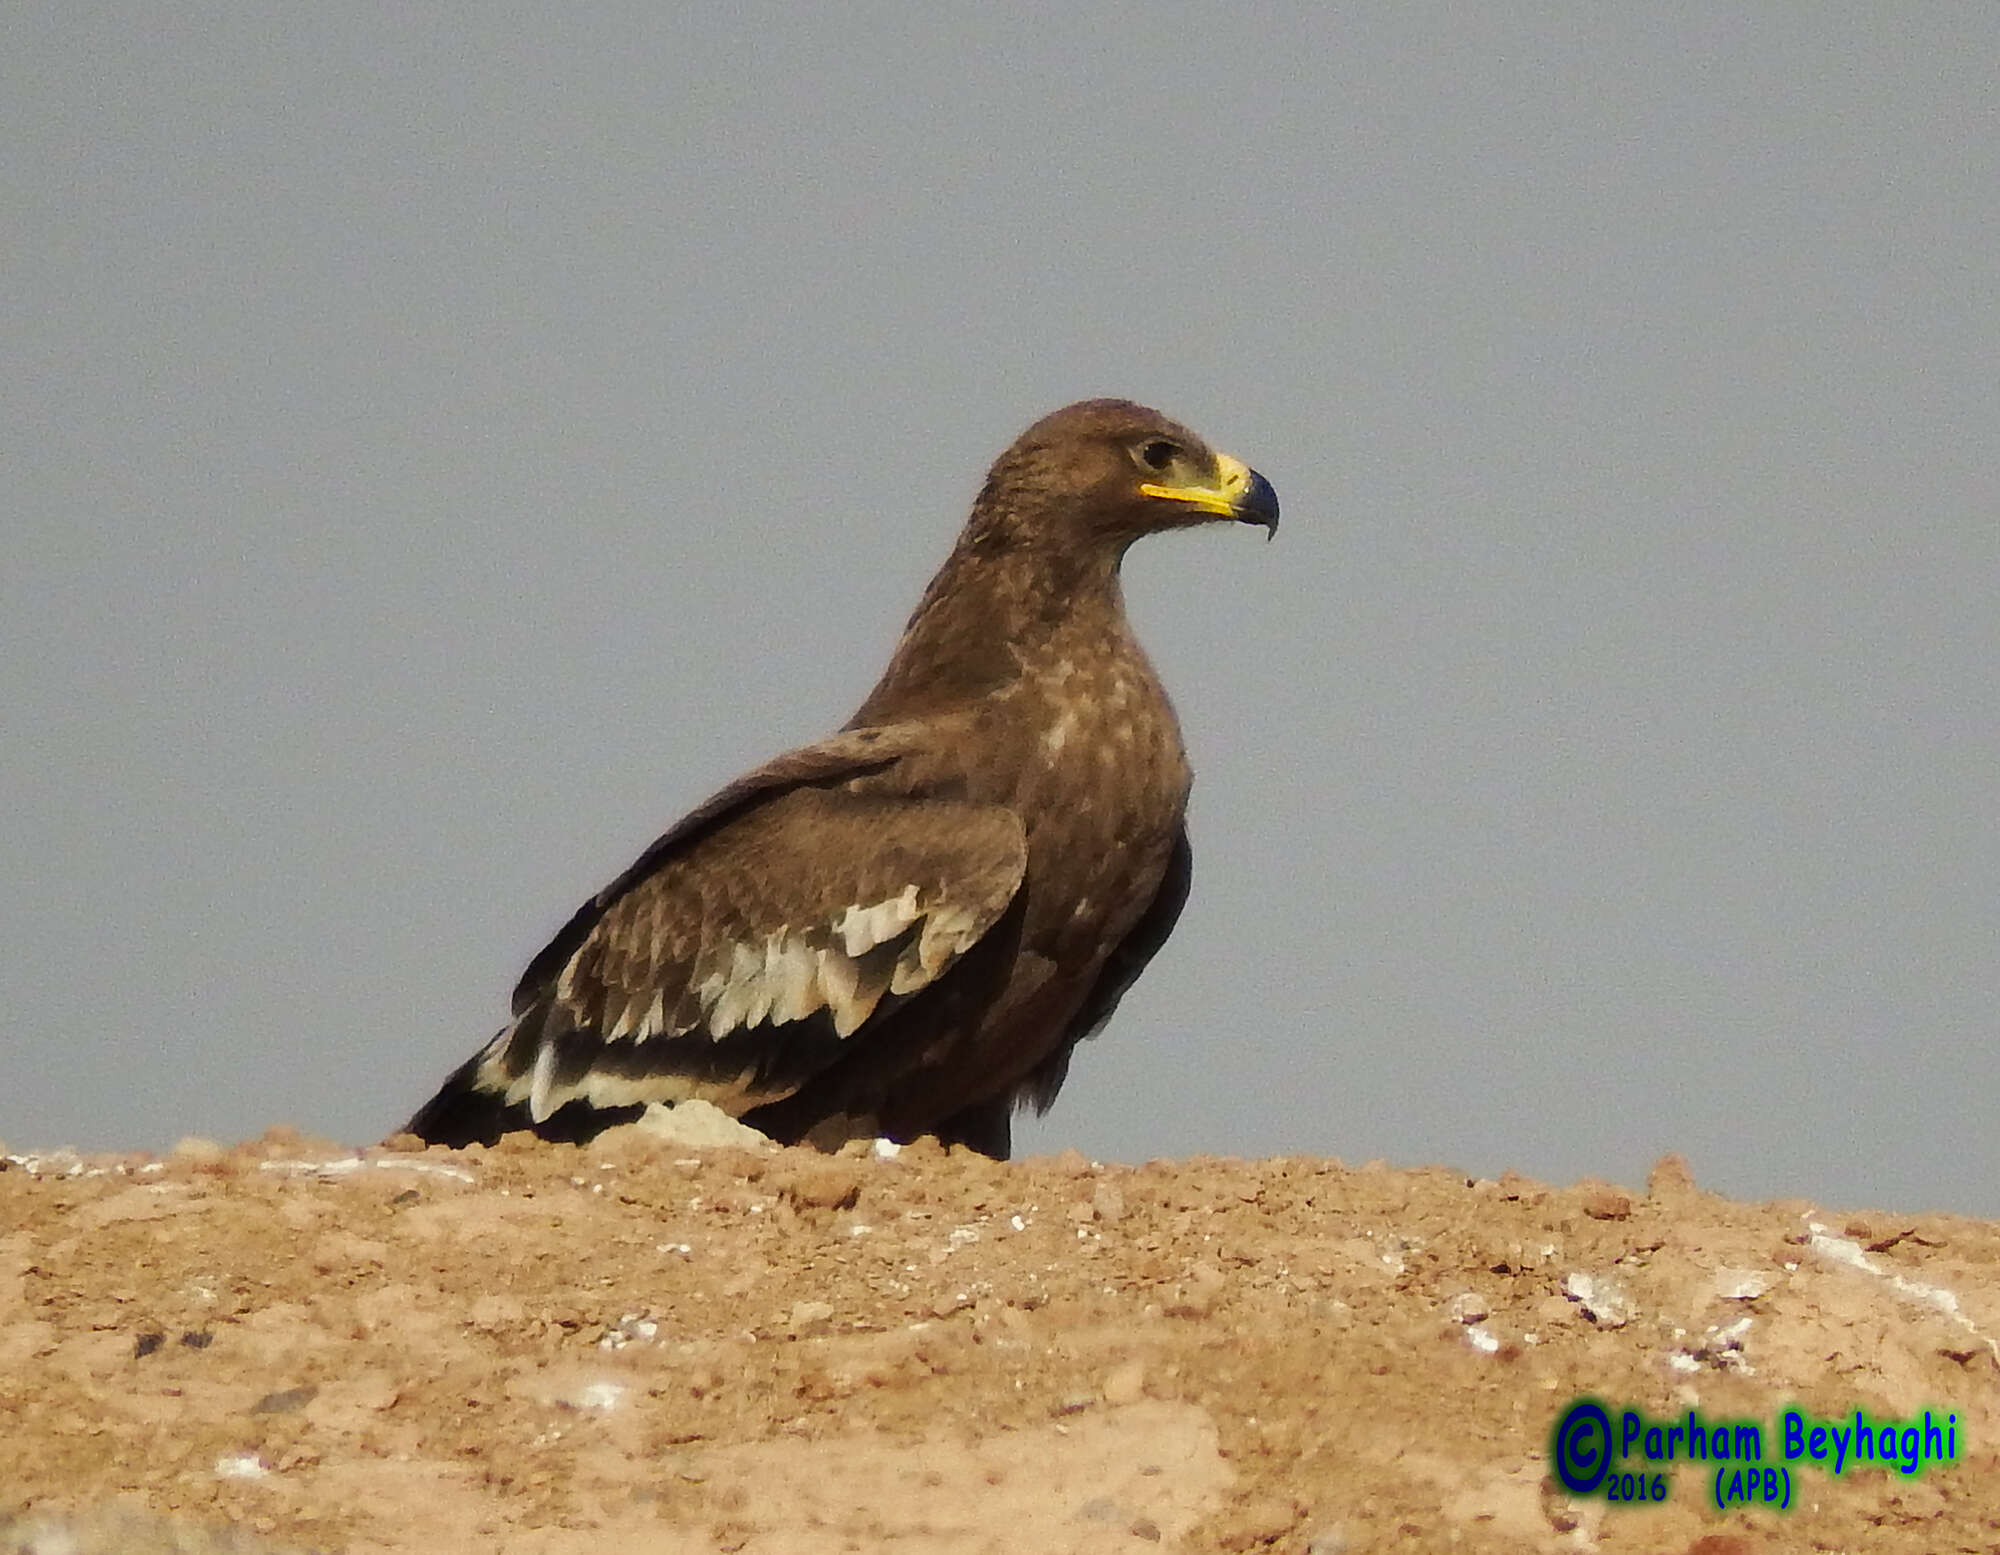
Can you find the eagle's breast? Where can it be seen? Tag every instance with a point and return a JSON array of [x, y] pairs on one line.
[[1103, 788]]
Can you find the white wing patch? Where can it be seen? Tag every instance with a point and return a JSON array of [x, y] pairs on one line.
[[845, 966], [793, 972], [542, 1084], [545, 1096], [863, 928]]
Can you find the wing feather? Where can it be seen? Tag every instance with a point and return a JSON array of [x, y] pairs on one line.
[[757, 950], [851, 754]]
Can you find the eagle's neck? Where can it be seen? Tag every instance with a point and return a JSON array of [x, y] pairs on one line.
[[992, 617]]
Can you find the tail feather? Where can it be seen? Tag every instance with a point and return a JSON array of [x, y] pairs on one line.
[[461, 1113], [464, 1112]]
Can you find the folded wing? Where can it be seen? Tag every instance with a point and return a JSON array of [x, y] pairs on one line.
[[740, 960]]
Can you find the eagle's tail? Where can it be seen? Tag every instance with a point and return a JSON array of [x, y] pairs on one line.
[[466, 1111], [463, 1112]]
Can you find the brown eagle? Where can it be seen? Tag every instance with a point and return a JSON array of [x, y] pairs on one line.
[[905, 928]]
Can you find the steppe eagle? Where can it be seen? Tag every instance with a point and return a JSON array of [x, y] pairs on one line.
[[905, 928]]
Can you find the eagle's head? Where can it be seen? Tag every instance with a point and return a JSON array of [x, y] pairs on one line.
[[1104, 472]]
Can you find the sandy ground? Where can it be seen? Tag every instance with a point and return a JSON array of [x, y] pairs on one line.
[[644, 1346]]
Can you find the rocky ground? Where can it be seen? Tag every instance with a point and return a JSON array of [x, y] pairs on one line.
[[645, 1345]]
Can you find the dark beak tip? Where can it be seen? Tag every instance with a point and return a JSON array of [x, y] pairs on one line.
[[1260, 505]]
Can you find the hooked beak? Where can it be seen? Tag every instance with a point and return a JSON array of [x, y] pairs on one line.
[[1239, 492]]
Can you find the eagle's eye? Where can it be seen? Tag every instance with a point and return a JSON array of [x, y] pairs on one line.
[[1158, 454]]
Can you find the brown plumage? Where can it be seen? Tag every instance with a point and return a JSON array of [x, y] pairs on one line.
[[905, 928]]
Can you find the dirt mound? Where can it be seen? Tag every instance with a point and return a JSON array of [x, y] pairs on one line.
[[642, 1346]]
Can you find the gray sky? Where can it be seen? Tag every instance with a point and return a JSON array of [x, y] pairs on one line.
[[445, 443]]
